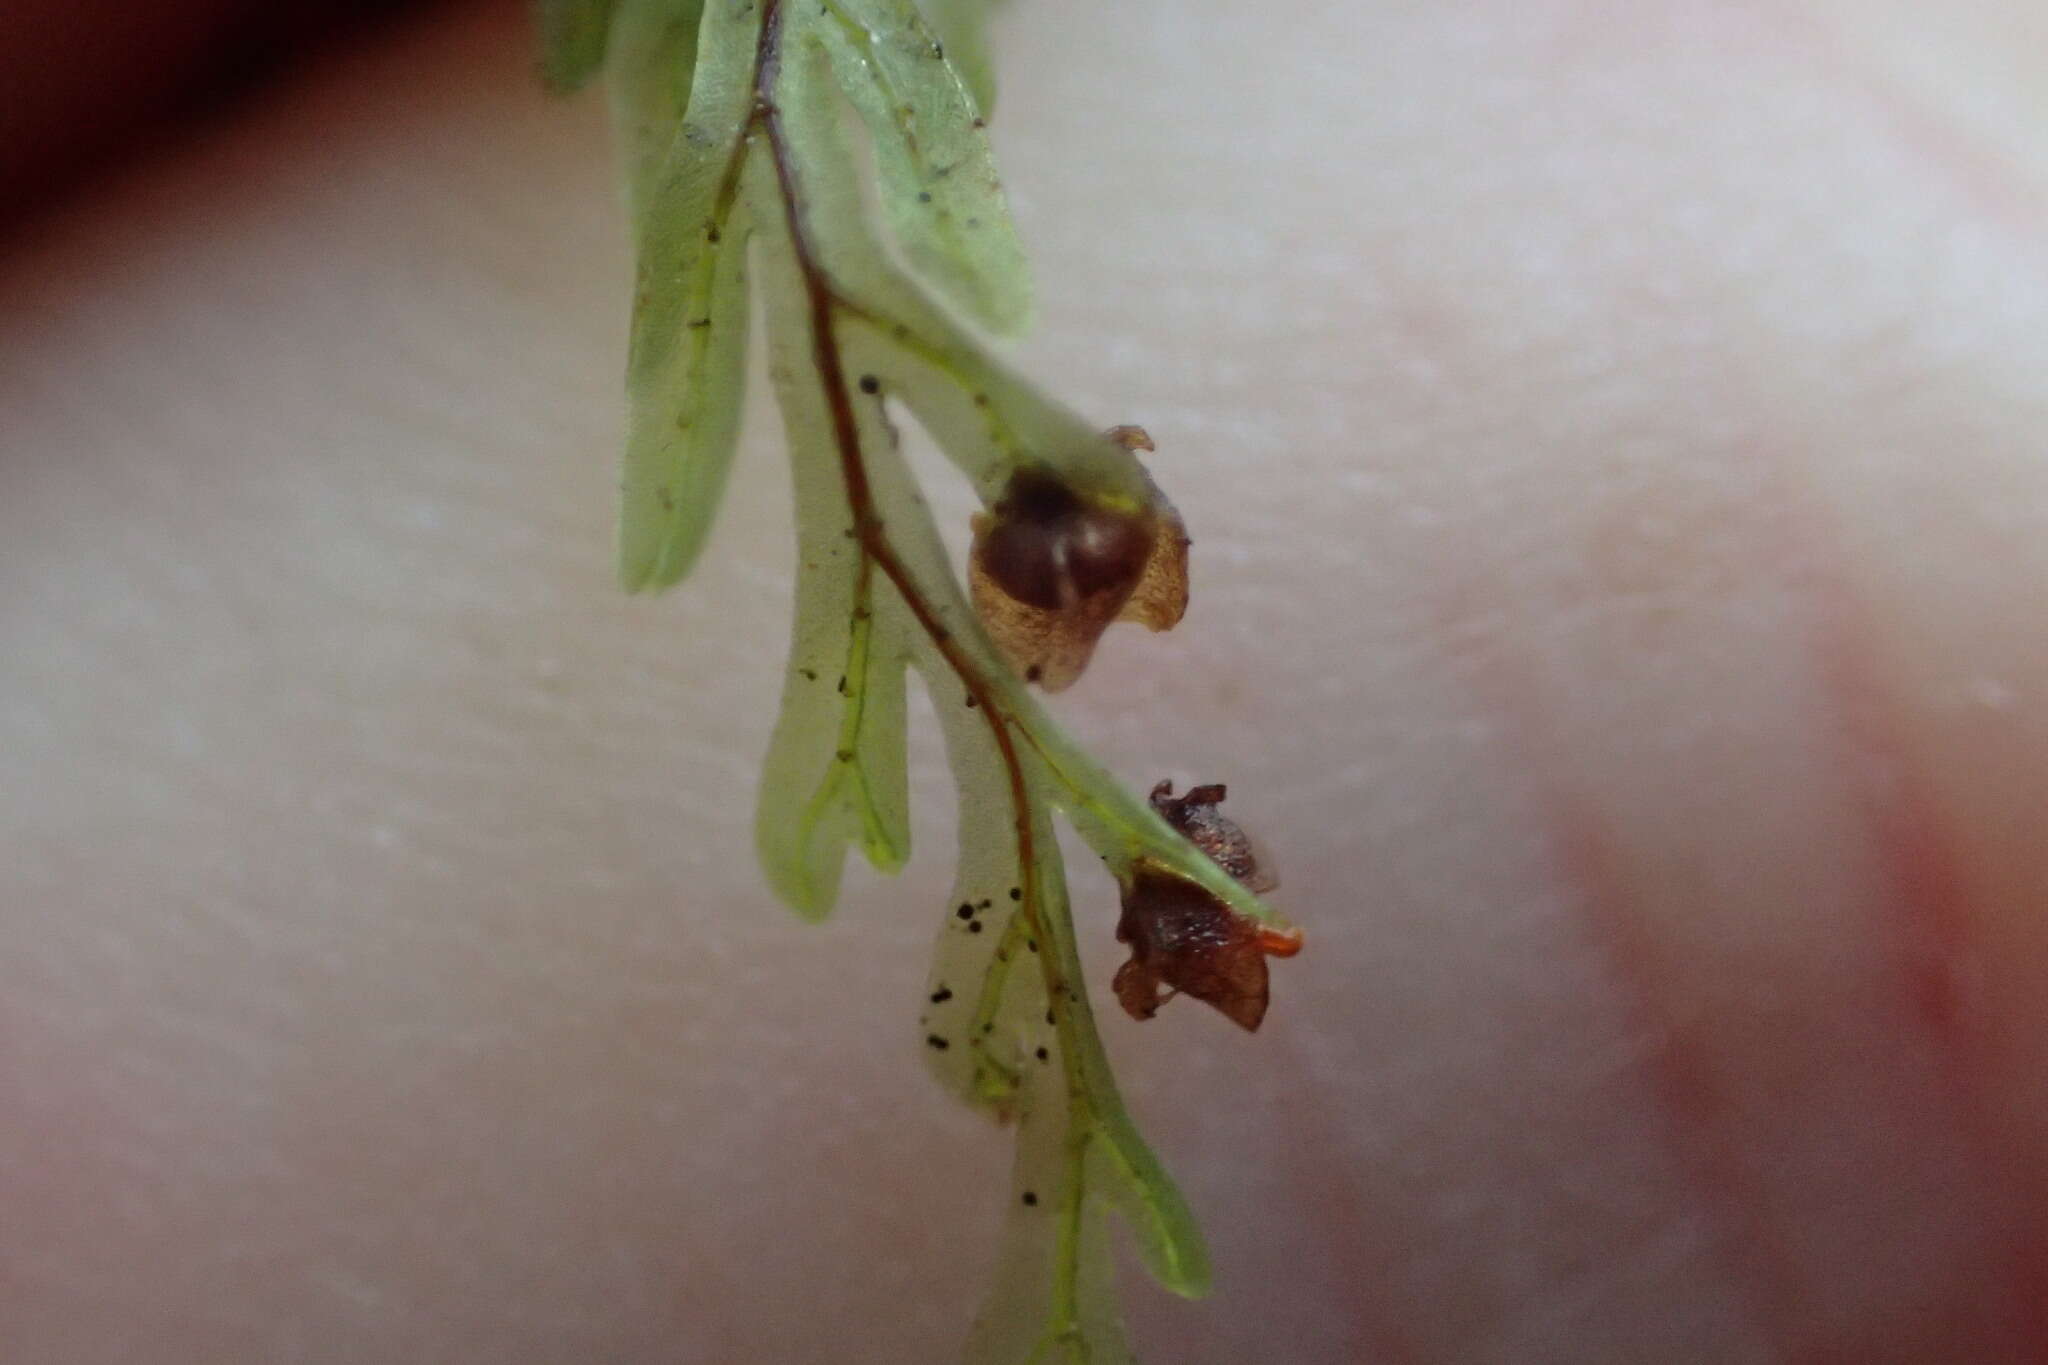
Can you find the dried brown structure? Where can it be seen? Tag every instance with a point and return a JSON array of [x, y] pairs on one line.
[[1053, 565], [1182, 937], [1228, 846]]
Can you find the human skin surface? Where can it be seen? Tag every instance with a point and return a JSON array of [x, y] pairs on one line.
[[1615, 442]]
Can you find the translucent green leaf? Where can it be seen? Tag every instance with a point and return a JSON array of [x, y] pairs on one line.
[[986, 417], [1054, 1297], [940, 190], [835, 772], [573, 35], [1077, 1156], [962, 25], [985, 996], [836, 767], [686, 369], [651, 59], [1122, 1169]]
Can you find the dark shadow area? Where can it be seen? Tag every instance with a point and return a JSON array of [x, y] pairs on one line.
[[90, 86]]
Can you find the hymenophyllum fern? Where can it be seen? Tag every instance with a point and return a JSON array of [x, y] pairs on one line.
[[732, 119]]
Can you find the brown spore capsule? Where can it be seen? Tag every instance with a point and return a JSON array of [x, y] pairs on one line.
[[1197, 818], [1046, 546], [1053, 565], [1182, 936]]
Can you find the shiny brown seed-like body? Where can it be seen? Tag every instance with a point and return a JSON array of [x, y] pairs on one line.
[[1053, 565], [1047, 547]]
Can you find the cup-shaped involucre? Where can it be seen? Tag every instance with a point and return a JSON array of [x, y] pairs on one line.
[[1182, 936], [1052, 565]]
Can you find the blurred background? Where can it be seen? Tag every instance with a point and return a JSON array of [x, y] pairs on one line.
[[94, 85], [1612, 433]]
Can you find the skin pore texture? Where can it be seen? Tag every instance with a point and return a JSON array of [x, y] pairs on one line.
[[1612, 437]]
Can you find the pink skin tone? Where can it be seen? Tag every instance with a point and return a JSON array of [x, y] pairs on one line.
[[1612, 440]]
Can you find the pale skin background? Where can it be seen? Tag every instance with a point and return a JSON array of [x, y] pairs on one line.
[[1615, 437]]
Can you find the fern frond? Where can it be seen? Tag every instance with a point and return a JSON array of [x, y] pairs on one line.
[[731, 120]]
